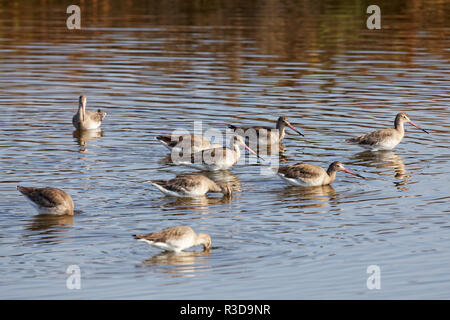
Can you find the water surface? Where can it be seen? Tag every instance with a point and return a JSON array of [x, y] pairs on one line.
[[155, 67]]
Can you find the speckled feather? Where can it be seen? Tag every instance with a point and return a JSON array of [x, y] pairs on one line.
[[188, 183], [49, 199], [304, 170], [169, 234]]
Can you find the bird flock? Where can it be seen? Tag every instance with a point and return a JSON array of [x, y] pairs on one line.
[[199, 153]]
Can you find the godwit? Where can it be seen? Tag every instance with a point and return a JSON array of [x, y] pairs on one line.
[[266, 135], [48, 200], [385, 139], [86, 119], [175, 239], [186, 143], [310, 175], [194, 185], [216, 158]]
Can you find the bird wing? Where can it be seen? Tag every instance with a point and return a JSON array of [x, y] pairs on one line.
[[210, 156], [165, 235], [303, 170], [96, 116], [247, 131], [181, 183], [44, 197], [372, 138], [257, 128], [188, 140]]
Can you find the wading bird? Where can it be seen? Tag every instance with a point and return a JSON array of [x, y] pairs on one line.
[[175, 239], [310, 175], [194, 185], [48, 200], [86, 119], [385, 139]]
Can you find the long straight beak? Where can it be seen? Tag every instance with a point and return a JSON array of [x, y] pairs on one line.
[[248, 148], [415, 125], [290, 126], [355, 174]]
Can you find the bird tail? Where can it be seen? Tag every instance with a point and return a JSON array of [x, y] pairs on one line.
[[156, 183], [354, 140], [166, 141], [163, 139]]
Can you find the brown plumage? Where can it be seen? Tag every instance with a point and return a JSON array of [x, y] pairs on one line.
[[215, 153], [265, 135], [309, 175], [48, 200], [216, 158], [186, 143], [385, 139], [308, 171], [86, 119], [374, 138], [191, 186], [175, 238]]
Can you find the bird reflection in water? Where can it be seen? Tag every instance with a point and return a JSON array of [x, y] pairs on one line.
[[387, 159], [182, 264], [271, 152], [309, 197], [274, 152], [281, 153], [82, 136], [51, 227], [198, 205], [224, 176]]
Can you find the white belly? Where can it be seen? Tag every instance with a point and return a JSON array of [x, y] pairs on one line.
[[300, 182]]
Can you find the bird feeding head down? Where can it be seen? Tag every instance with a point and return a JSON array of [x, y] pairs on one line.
[[226, 188], [205, 240]]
